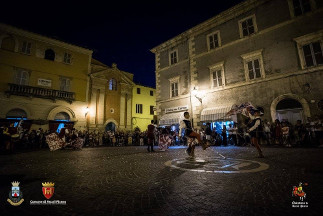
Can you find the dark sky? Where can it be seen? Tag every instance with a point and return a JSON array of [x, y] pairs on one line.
[[117, 31]]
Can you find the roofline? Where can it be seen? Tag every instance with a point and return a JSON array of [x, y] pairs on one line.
[[38, 37], [214, 21], [137, 84]]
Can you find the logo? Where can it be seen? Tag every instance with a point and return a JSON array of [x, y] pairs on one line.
[[300, 195], [48, 192], [48, 189], [15, 195]]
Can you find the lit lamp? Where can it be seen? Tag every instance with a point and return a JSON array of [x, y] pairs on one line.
[[194, 91], [86, 111]]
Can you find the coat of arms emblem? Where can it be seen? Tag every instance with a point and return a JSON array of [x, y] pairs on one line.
[[48, 189], [15, 195]]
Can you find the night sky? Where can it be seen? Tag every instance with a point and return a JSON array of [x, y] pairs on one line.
[[117, 31]]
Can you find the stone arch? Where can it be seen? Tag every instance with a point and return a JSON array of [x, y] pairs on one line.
[[112, 121], [59, 109], [3, 36], [306, 108], [26, 109]]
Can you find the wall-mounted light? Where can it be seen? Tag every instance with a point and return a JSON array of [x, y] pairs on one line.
[[86, 111], [195, 92]]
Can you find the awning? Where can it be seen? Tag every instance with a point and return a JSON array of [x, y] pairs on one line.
[[171, 118], [215, 114]]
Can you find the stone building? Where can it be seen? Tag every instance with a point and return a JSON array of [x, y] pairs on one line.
[[110, 97], [43, 80], [267, 52]]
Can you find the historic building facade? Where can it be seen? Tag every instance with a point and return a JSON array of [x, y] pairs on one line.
[[143, 106], [267, 52], [42, 79], [110, 98]]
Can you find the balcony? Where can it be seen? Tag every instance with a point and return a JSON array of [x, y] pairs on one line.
[[30, 91]]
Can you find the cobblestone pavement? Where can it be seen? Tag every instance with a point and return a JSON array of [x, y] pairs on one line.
[[131, 181]]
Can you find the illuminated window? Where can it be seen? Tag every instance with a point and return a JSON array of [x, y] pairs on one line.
[[248, 26], [50, 54], [65, 84], [139, 108], [113, 84], [67, 58], [22, 77], [173, 57], [26, 46], [213, 40], [253, 65]]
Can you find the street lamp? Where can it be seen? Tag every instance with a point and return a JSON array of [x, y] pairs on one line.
[[86, 111], [194, 91]]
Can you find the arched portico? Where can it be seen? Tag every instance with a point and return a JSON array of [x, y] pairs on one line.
[[302, 101], [61, 109]]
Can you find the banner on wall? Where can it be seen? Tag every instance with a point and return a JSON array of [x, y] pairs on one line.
[[44, 82]]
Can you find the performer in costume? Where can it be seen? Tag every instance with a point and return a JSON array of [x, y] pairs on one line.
[[186, 124], [255, 130]]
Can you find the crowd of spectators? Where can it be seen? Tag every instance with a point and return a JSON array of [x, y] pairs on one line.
[[279, 133]]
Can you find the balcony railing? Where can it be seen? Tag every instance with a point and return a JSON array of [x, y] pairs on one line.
[[30, 91]]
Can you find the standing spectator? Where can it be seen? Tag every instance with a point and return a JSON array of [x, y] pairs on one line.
[[277, 132], [224, 135], [285, 133], [151, 136], [299, 133], [208, 131], [267, 132]]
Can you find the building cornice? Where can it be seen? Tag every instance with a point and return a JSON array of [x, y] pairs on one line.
[[244, 83], [210, 23], [37, 37]]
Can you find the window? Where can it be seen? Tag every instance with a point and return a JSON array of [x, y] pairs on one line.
[[67, 58], [139, 108], [113, 84], [65, 84], [22, 77], [174, 87], [248, 26], [253, 69], [217, 75], [213, 40], [138, 90], [151, 93], [301, 7], [253, 65], [310, 49], [26, 46], [50, 54], [313, 54], [8, 43], [173, 57], [151, 110]]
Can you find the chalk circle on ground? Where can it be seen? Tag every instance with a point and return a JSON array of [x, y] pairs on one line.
[[217, 165]]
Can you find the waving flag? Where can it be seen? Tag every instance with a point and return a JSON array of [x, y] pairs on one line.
[[243, 109]]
